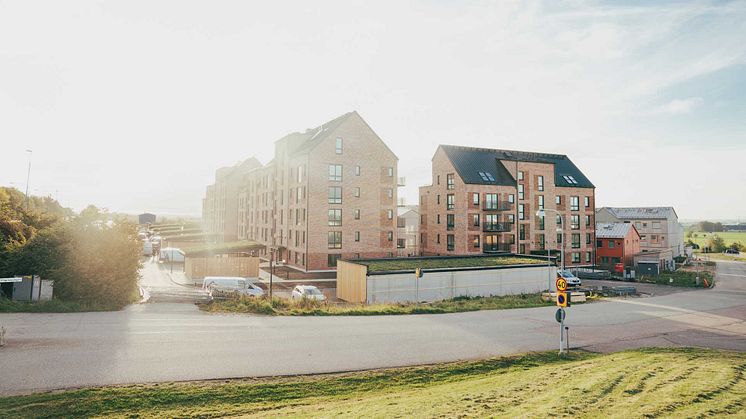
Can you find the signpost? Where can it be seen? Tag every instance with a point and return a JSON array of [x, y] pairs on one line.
[[417, 276], [562, 302]]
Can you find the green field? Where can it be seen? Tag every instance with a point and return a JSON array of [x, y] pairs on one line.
[[645, 383], [728, 236]]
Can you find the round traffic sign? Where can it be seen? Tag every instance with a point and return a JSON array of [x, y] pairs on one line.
[[561, 284], [559, 315]]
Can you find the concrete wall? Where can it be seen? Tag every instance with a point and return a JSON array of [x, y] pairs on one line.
[[435, 286]]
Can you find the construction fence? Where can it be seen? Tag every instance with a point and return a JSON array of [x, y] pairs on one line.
[[200, 267]]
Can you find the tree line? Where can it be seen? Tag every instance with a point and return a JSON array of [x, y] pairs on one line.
[[91, 258]]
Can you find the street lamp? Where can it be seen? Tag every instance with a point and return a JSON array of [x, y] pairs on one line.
[[542, 213], [28, 174]]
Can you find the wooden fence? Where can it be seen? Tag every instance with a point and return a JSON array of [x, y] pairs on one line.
[[200, 267]]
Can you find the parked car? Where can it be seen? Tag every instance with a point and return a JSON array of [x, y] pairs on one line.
[[155, 239], [232, 284], [572, 280], [307, 291], [171, 254], [147, 248], [732, 252]]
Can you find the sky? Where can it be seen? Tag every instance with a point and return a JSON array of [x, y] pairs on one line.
[[133, 105]]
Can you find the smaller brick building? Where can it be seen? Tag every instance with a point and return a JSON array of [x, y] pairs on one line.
[[616, 243]]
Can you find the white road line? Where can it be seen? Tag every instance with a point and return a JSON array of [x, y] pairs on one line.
[[741, 275]]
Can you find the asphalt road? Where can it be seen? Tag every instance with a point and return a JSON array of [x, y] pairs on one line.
[[158, 286], [169, 341]]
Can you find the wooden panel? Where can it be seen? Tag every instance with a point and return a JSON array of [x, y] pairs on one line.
[[351, 282], [198, 268]]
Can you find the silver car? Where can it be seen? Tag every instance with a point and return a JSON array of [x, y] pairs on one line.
[[572, 280]]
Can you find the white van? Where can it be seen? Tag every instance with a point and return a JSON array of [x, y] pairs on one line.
[[171, 254], [232, 283], [147, 248]]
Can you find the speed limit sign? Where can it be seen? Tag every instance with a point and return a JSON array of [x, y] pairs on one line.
[[561, 284]]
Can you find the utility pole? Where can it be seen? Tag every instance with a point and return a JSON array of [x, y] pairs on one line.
[[28, 175]]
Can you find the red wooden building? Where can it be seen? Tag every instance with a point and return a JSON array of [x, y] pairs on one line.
[[616, 243]]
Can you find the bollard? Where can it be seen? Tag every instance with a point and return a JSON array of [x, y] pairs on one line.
[[2, 336]]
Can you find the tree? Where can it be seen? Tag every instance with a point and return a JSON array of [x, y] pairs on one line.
[[737, 246], [710, 227], [715, 244]]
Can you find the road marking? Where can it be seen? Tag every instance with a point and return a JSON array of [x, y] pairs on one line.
[[741, 275]]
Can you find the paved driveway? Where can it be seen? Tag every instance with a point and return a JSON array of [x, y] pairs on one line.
[[168, 341]]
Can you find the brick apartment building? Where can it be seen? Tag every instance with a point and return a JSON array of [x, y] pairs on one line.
[[616, 243], [485, 200], [329, 193], [220, 205]]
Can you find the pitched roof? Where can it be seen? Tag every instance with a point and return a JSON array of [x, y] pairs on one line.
[[613, 230], [642, 212], [482, 166], [314, 136]]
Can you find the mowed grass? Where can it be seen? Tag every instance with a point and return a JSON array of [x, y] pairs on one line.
[[642, 383], [284, 307]]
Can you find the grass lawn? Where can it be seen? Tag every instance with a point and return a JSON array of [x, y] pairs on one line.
[[643, 383], [380, 265], [51, 306], [719, 256], [282, 307]]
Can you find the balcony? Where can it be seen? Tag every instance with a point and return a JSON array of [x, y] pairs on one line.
[[401, 202], [401, 181], [496, 227], [502, 206], [496, 247]]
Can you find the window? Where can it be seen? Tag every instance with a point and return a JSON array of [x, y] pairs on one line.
[[558, 220], [357, 214], [475, 199], [587, 257], [449, 181], [611, 244], [599, 243], [490, 201], [486, 176], [522, 232], [540, 182], [522, 249], [335, 172], [575, 222], [300, 174], [587, 220], [576, 240], [575, 257], [357, 170], [475, 220], [559, 238], [390, 172], [335, 239], [390, 214], [574, 203], [357, 236], [656, 225], [490, 222], [541, 223], [511, 218], [338, 146], [520, 191], [542, 242], [437, 239], [390, 193], [541, 202], [331, 260], [335, 217], [450, 221], [520, 175], [475, 242], [511, 198], [570, 180], [438, 178], [390, 236], [356, 192], [335, 194], [587, 201], [587, 238], [520, 212], [450, 202], [450, 242], [437, 219], [558, 199], [437, 199]]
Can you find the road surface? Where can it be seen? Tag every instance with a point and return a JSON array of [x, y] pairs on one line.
[[169, 341], [158, 286]]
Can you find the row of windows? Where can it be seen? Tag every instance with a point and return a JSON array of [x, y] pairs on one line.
[[335, 194], [335, 216], [335, 172], [334, 238]]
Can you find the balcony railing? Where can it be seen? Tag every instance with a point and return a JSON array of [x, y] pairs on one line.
[[401, 202], [401, 181], [493, 206], [496, 227], [496, 247]]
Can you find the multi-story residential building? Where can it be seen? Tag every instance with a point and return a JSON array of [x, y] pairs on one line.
[[616, 243], [408, 223], [220, 205], [659, 227], [329, 193], [486, 200]]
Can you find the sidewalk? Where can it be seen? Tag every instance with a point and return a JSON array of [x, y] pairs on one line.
[[180, 278]]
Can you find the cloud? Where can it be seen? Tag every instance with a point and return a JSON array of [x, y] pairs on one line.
[[678, 106]]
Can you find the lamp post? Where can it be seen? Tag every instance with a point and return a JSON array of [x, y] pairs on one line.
[[271, 272], [28, 175], [542, 213]]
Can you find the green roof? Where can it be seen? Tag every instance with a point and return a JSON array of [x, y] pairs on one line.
[[426, 263]]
